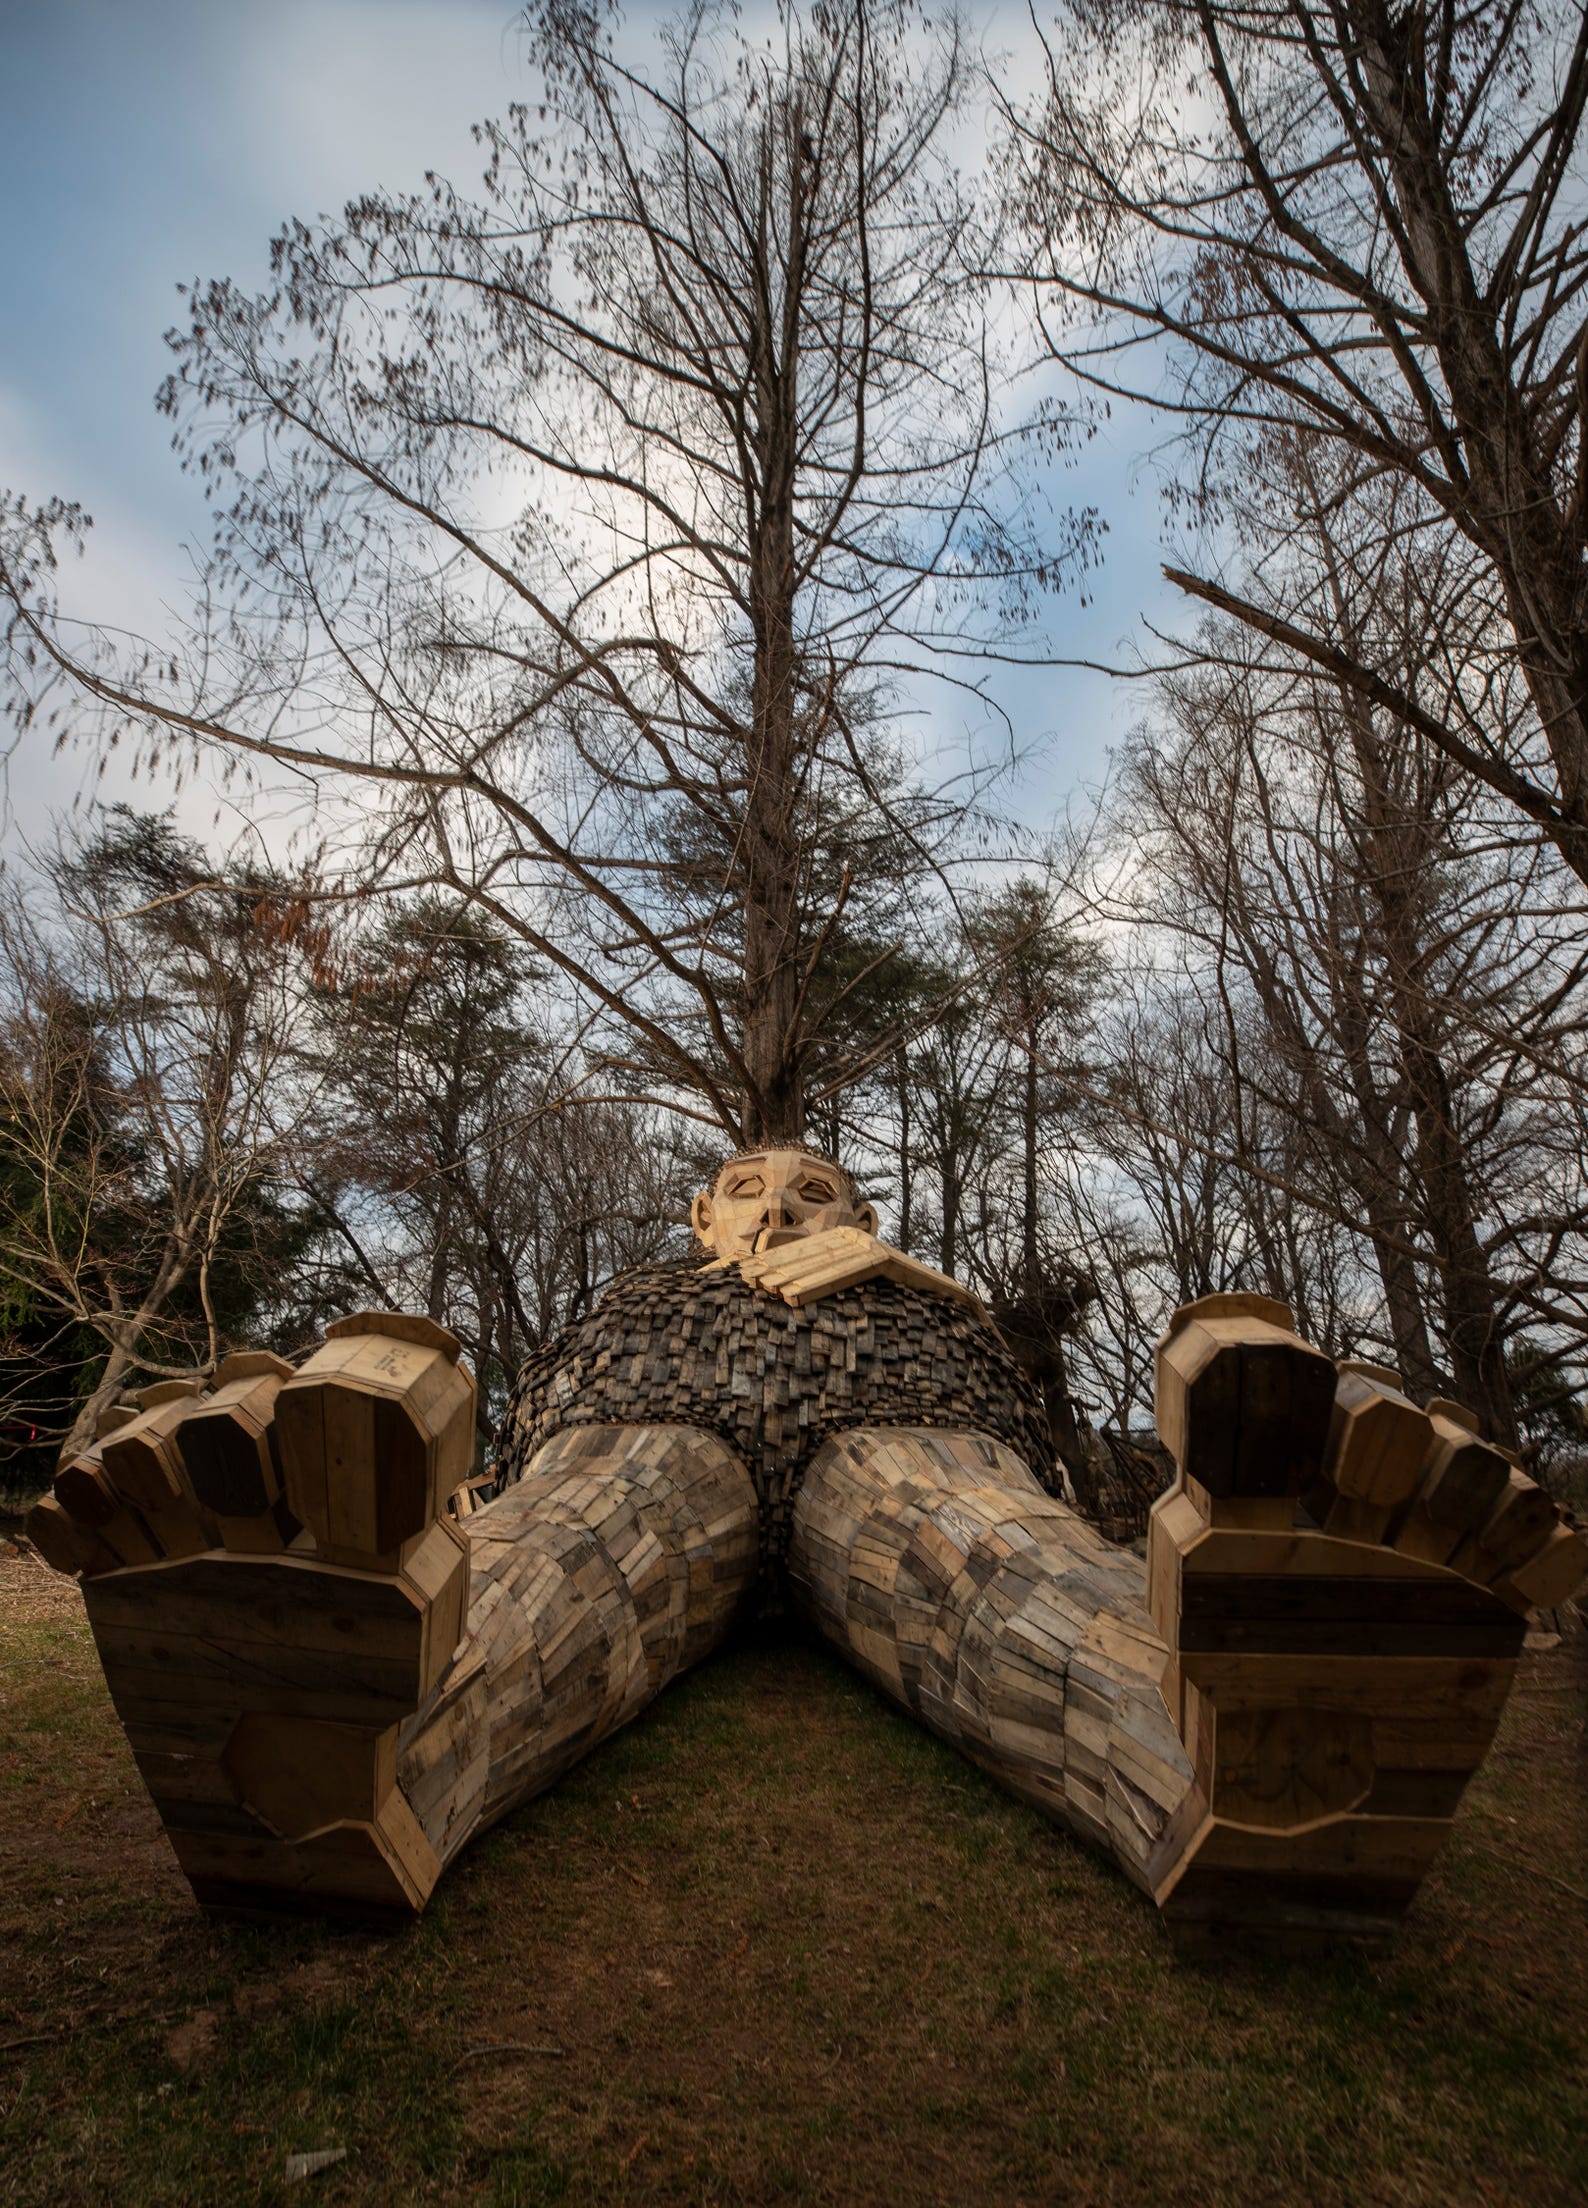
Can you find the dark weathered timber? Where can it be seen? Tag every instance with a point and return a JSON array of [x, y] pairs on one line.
[[1269, 1728], [693, 1343]]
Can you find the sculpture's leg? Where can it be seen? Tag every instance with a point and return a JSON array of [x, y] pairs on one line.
[[620, 1559], [283, 1610], [936, 1563], [1272, 1727]]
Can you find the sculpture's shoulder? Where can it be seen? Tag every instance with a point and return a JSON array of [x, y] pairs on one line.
[[643, 1299], [831, 1268], [662, 1283], [646, 1320]]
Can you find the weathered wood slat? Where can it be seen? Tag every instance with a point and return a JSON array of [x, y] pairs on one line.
[[620, 1558], [997, 1617]]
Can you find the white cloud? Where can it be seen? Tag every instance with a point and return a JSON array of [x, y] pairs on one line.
[[339, 95]]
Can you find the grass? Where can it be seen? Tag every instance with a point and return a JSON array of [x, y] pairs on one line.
[[772, 1945]]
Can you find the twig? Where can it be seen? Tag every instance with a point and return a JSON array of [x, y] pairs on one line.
[[89, 2021], [508, 2047]]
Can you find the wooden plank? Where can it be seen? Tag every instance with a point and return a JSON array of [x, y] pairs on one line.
[[1360, 1847], [1332, 1615], [169, 1391], [1276, 1554], [61, 1542], [84, 1491], [288, 1602], [1521, 1524], [1380, 1685], [302, 1773], [1465, 1480], [1378, 1441], [375, 1431], [224, 1442], [268, 1534], [1242, 1405], [1550, 1577], [249, 1364], [397, 1326], [346, 1867], [178, 1531], [129, 1539]]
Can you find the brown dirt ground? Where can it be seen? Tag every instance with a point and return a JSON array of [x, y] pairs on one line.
[[771, 1945]]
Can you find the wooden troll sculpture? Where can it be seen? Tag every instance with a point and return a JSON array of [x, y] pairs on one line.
[[332, 1679]]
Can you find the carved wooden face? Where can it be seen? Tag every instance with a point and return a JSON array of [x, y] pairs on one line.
[[771, 1197]]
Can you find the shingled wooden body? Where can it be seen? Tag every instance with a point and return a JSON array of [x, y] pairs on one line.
[[334, 1670]]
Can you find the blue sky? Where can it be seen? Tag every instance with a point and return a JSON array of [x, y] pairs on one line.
[[148, 142]]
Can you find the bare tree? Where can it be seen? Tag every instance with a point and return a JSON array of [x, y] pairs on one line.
[[1041, 976], [1355, 224], [466, 1165], [954, 1074], [1164, 1125], [147, 1122], [1396, 986], [1181, 1173], [591, 520]]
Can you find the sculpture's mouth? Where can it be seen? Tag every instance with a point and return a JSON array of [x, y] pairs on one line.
[[773, 1238]]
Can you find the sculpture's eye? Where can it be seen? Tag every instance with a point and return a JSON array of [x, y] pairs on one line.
[[817, 1192], [751, 1185]]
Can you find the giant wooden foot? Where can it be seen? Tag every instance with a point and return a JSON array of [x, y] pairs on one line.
[[274, 1587], [329, 1684], [1271, 1728], [1343, 1581]]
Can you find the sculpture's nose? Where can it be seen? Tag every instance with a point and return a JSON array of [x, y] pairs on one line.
[[778, 1223]]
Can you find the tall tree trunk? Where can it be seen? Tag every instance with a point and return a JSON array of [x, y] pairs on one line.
[[1031, 1260], [1379, 1172], [948, 1237], [1414, 1352], [906, 1184], [774, 1101], [448, 1146], [1477, 1345], [84, 1426], [949, 1234], [1399, 845]]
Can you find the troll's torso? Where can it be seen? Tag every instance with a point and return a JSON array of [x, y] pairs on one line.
[[694, 1345]]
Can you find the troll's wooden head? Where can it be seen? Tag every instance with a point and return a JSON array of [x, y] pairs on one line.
[[763, 1198]]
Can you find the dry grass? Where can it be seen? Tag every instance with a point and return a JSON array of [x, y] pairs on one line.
[[773, 1945]]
